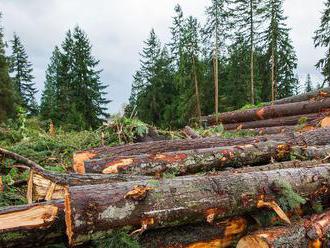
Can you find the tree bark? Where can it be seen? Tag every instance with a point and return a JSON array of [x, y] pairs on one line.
[[309, 232], [275, 122], [198, 104], [316, 94], [190, 133], [191, 161], [314, 137], [219, 234], [34, 225], [272, 111], [95, 210], [270, 130]]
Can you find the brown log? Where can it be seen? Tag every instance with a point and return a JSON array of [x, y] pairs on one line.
[[95, 210], [275, 122], [191, 161], [306, 233], [34, 225], [315, 137], [218, 234], [272, 111], [313, 95], [270, 130], [190, 133]]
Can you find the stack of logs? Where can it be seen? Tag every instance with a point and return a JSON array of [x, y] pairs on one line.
[[259, 191], [281, 116]]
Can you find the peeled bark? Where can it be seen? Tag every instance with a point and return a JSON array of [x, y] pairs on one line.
[[314, 137], [93, 211], [275, 122], [306, 233], [34, 225], [219, 234], [191, 161], [316, 94], [272, 111]]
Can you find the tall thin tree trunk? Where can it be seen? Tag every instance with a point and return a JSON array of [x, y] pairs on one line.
[[252, 52], [273, 75], [216, 76], [198, 105]]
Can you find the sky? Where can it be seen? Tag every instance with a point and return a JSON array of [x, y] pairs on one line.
[[117, 30]]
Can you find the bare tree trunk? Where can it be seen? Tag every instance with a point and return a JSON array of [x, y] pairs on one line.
[[273, 75], [198, 105], [252, 52], [216, 82]]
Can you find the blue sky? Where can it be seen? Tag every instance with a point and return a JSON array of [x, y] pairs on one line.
[[117, 30]]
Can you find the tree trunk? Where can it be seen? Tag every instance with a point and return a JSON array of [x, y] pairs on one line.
[[190, 133], [309, 232], [269, 130], [191, 161], [252, 51], [314, 137], [34, 225], [272, 111], [216, 82], [219, 234], [275, 122], [274, 85], [94, 210], [198, 104], [313, 95]]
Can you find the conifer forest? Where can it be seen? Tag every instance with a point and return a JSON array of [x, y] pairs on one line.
[[221, 143]]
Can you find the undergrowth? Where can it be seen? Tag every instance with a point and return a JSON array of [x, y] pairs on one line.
[[118, 239]]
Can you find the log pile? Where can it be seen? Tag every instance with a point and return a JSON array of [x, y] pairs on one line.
[[309, 110], [270, 190]]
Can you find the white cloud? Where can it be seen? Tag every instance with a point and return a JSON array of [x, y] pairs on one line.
[[117, 30]]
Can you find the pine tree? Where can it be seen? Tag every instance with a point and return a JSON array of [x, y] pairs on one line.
[[215, 33], [7, 93], [280, 52], [322, 39], [21, 71], [308, 84], [176, 35], [248, 19]]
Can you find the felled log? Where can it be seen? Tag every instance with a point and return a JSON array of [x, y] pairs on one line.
[[315, 137], [311, 152], [306, 233], [191, 161], [275, 122], [43, 187], [34, 225], [272, 111], [218, 234], [190, 133], [272, 130], [313, 95], [95, 210]]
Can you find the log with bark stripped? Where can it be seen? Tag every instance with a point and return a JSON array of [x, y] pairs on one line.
[[272, 111], [276, 122], [307, 233], [34, 225], [202, 159], [95, 210]]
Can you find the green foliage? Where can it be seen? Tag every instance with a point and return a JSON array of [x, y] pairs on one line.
[[288, 199], [317, 207], [118, 239], [302, 120]]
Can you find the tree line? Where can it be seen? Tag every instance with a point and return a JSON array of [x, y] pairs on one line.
[[244, 48], [73, 96], [241, 55]]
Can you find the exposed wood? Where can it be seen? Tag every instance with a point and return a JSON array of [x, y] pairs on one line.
[[191, 161], [218, 234], [272, 111], [34, 225], [313, 95], [275, 122], [306, 233], [95, 210], [190, 133]]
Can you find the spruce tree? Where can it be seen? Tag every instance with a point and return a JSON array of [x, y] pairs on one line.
[[248, 20], [322, 39], [21, 71], [280, 52], [308, 84], [7, 93], [215, 33]]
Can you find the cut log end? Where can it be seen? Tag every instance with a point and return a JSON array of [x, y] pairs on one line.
[[35, 217], [68, 218], [252, 241], [78, 161]]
